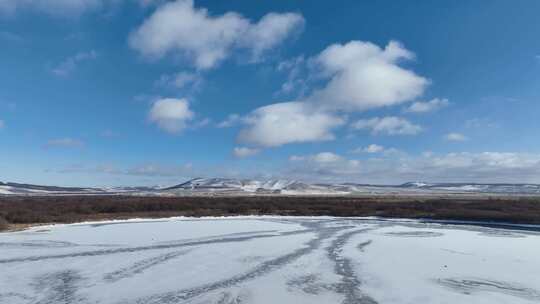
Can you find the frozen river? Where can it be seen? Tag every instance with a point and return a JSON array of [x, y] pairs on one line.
[[269, 260]]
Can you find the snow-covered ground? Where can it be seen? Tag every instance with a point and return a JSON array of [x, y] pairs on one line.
[[269, 260]]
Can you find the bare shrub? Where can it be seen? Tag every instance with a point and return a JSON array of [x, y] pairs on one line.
[[66, 209]]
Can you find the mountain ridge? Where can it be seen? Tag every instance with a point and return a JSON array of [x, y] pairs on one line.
[[273, 186]]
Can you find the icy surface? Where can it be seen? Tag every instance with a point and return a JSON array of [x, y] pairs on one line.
[[269, 260]]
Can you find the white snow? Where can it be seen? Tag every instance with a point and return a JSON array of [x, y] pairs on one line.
[[398, 267], [269, 260], [469, 188], [6, 190]]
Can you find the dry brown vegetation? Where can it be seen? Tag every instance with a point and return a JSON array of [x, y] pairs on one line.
[[3, 224], [67, 209]]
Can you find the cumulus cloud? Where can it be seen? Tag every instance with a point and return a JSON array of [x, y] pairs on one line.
[[481, 123], [357, 76], [66, 142], [321, 166], [389, 125], [231, 120], [289, 122], [270, 31], [296, 158], [455, 137], [243, 152], [206, 40], [202, 123], [158, 170], [326, 157], [364, 76], [373, 148], [322, 157], [171, 115], [294, 68], [486, 167], [69, 64], [427, 106], [180, 80]]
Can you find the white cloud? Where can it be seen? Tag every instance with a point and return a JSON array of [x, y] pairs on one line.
[[481, 123], [390, 125], [185, 170], [455, 137], [232, 120], [326, 157], [373, 148], [288, 122], [270, 31], [360, 76], [294, 67], [171, 115], [65, 143], [69, 64], [364, 76], [181, 80], [320, 158], [380, 150], [202, 123], [321, 166], [486, 167], [427, 106], [296, 158], [242, 152], [2, 124], [205, 39]]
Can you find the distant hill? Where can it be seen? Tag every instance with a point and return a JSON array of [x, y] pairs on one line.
[[201, 186], [7, 188]]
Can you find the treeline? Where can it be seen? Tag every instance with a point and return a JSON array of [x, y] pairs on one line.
[[68, 209]]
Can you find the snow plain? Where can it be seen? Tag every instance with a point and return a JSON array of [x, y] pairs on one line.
[[270, 260]]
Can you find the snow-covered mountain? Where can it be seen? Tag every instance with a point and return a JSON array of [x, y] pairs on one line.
[[16, 188], [283, 186], [230, 186], [275, 186], [29, 189], [474, 187]]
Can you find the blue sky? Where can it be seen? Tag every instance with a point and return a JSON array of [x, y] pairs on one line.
[[130, 92]]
